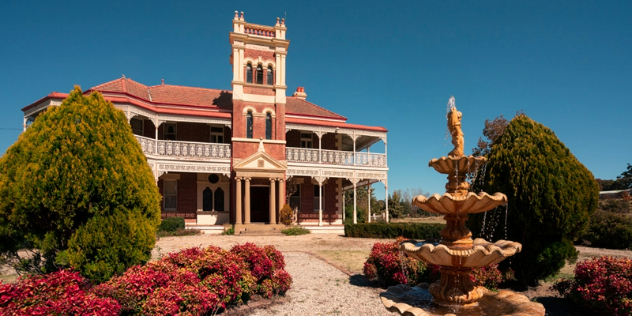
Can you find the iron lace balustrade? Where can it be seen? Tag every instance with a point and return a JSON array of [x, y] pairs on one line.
[[180, 149], [335, 157]]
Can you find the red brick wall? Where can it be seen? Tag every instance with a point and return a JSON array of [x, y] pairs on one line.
[[254, 54], [260, 91], [308, 203]]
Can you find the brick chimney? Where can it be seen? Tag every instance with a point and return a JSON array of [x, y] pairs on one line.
[[300, 93]]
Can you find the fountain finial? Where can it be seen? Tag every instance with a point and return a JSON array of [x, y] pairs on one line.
[[454, 125]]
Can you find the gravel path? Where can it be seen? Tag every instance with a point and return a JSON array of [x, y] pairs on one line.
[[320, 289]]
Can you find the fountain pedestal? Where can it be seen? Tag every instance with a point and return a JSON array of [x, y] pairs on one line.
[[456, 287]]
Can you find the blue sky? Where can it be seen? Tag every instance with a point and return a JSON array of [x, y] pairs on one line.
[[566, 64]]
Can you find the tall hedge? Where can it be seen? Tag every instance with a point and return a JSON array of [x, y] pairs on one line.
[[419, 231], [76, 162], [551, 197]]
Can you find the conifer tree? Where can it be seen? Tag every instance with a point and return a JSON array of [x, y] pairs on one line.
[[551, 197], [76, 162]]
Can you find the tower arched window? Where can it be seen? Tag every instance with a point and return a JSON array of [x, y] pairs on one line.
[[219, 200], [259, 74], [249, 73], [268, 126], [269, 76], [207, 200], [249, 124]]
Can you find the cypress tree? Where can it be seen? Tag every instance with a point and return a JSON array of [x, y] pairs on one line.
[[77, 162], [551, 197]]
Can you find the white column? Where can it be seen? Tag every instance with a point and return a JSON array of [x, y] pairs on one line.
[[281, 193], [343, 206], [355, 215], [320, 203], [385, 154], [320, 146], [368, 189], [355, 162], [247, 201], [24, 125], [238, 201], [386, 192], [272, 204], [156, 140]]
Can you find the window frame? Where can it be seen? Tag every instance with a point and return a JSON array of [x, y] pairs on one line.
[[259, 74], [217, 135], [270, 76], [165, 194], [307, 142], [268, 125], [249, 76], [211, 195], [142, 126], [249, 124]]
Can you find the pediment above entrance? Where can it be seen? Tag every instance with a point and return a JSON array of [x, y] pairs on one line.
[[259, 162]]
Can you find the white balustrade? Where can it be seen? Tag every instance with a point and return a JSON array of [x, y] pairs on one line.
[[335, 157], [180, 149]]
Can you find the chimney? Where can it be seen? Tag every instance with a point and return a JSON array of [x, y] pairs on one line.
[[162, 82], [300, 93]]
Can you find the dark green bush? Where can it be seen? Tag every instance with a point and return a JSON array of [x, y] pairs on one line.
[[610, 230], [230, 231], [394, 230], [108, 245], [171, 224], [551, 197], [295, 231], [76, 161]]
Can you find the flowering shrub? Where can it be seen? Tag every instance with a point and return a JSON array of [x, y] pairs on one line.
[[58, 293], [603, 284], [385, 265], [198, 281], [490, 276]]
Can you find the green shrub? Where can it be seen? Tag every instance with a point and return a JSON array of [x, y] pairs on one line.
[[108, 245], [76, 161], [285, 215], [393, 230], [551, 197], [609, 230], [294, 231], [230, 231], [171, 224]]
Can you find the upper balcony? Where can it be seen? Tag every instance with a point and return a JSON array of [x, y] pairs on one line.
[[180, 150], [335, 157]]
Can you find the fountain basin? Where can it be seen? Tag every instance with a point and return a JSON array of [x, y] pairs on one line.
[[481, 254], [401, 298], [457, 204], [462, 164]]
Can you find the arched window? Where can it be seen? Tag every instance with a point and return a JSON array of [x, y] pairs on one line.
[[207, 200], [270, 79], [249, 73], [268, 126], [249, 124], [219, 200], [259, 74]]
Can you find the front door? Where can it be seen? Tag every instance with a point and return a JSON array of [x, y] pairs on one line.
[[260, 204]]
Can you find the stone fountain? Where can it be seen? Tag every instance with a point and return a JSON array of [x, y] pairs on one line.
[[456, 253]]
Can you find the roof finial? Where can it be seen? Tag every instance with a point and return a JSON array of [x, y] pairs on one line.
[[162, 82], [236, 15], [282, 21], [242, 15], [277, 23], [123, 76], [261, 148]]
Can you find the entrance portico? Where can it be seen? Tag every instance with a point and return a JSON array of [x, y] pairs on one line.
[[256, 191]]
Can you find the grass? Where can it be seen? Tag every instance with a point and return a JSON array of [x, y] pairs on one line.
[[350, 260]]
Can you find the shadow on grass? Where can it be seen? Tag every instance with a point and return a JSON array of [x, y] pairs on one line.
[[558, 306], [362, 281]]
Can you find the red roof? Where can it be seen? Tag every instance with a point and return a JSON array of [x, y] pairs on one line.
[[192, 99]]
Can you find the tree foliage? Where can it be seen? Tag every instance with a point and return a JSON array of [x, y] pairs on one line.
[[623, 181], [492, 131], [75, 162], [362, 202], [551, 197]]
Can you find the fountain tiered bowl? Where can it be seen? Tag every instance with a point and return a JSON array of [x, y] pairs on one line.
[[456, 253]]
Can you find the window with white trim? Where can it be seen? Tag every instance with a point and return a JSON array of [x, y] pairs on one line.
[[317, 197], [137, 126], [170, 195], [306, 140], [217, 134]]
